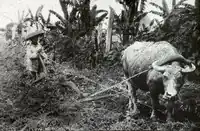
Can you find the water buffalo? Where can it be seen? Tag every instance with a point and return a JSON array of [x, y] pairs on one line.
[[165, 74]]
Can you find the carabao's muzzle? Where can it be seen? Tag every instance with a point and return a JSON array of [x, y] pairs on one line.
[[171, 91]]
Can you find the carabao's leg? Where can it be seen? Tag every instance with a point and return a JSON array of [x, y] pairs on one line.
[[154, 82], [133, 110], [170, 108], [155, 105]]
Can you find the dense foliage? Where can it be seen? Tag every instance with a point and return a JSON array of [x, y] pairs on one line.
[[77, 30], [73, 40], [180, 29]]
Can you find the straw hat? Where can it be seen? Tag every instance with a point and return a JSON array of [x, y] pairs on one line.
[[34, 34]]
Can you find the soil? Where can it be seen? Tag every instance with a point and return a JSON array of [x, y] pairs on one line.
[[107, 113]]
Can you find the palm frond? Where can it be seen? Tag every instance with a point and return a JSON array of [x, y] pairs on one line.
[[157, 13], [165, 7], [157, 6], [140, 16], [80, 34], [58, 16], [73, 14], [60, 27], [179, 3], [31, 14], [64, 7], [42, 19], [125, 7], [93, 13], [38, 12], [158, 22], [117, 18], [94, 8], [28, 19], [101, 11], [48, 18], [187, 6], [100, 18], [173, 3], [26, 15], [71, 2], [152, 22], [142, 5], [124, 18], [41, 24]]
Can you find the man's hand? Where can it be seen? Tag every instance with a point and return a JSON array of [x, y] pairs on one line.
[[40, 50]]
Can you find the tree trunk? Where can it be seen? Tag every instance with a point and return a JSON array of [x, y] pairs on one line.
[[99, 33], [125, 36], [109, 30]]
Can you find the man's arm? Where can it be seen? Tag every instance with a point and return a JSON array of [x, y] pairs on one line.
[[42, 53], [31, 54]]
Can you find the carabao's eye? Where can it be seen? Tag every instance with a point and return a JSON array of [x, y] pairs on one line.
[[165, 77]]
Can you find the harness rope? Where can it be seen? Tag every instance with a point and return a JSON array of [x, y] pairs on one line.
[[106, 87]]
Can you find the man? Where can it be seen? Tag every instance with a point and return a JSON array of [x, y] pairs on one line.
[[35, 54]]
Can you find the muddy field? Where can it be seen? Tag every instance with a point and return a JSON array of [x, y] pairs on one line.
[[105, 111], [110, 113]]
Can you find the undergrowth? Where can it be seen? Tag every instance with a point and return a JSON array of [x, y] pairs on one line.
[[47, 105]]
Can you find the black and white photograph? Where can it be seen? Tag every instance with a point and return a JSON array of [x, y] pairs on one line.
[[98, 65]]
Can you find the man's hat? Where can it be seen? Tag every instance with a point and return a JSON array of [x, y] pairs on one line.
[[34, 34]]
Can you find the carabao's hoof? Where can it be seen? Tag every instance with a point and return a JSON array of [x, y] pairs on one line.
[[130, 114], [154, 118]]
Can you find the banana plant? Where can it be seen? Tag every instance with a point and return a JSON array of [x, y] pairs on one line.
[[45, 22], [68, 24], [165, 13], [35, 19], [127, 23], [95, 19], [20, 25], [79, 21], [164, 10], [74, 23]]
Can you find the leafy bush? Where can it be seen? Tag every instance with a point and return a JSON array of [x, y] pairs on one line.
[[180, 29], [23, 103]]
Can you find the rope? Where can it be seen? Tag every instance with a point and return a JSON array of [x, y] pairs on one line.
[[106, 87]]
